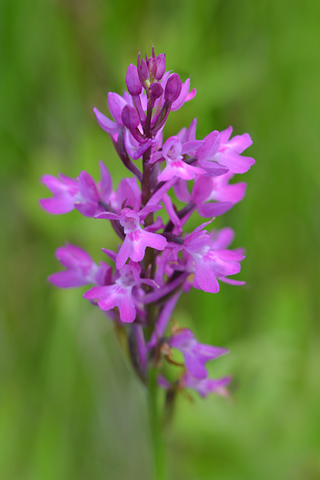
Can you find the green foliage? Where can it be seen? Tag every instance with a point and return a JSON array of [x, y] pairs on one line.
[[69, 406]]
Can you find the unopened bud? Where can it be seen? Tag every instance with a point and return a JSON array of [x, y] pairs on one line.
[[152, 67], [156, 90], [143, 69], [161, 66], [173, 88], [132, 80], [130, 117]]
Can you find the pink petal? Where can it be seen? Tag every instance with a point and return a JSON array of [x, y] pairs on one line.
[[67, 279], [239, 143], [104, 274], [225, 135], [53, 184], [70, 182], [138, 242], [181, 338], [205, 278], [213, 168], [235, 162], [181, 134], [180, 169], [88, 209], [214, 209], [191, 146], [58, 205], [191, 94], [229, 255], [88, 188], [222, 238], [144, 212], [191, 132], [128, 192], [105, 123], [184, 96], [157, 197], [116, 104], [108, 215], [163, 320], [202, 189], [110, 253], [210, 352], [194, 366], [171, 211], [106, 182], [230, 281], [71, 256], [181, 190], [224, 268], [154, 240], [211, 146], [230, 193], [98, 292], [127, 308], [125, 252]]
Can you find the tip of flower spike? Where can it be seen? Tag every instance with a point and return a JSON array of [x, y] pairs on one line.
[[156, 66]]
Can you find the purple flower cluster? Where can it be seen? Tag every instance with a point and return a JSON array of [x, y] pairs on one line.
[[157, 259]]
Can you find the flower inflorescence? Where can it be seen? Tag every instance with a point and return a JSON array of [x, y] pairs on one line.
[[156, 261]]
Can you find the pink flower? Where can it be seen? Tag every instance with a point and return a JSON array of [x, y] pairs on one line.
[[218, 154], [80, 269], [204, 386], [120, 294], [211, 196], [128, 193], [220, 151], [207, 263], [82, 193], [136, 239], [196, 354], [64, 190], [173, 151]]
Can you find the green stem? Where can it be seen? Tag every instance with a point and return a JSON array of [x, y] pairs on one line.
[[155, 425]]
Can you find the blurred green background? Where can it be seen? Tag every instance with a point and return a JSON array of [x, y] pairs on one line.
[[70, 408]]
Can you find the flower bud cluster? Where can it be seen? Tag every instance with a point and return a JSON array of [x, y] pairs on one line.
[[157, 258]]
